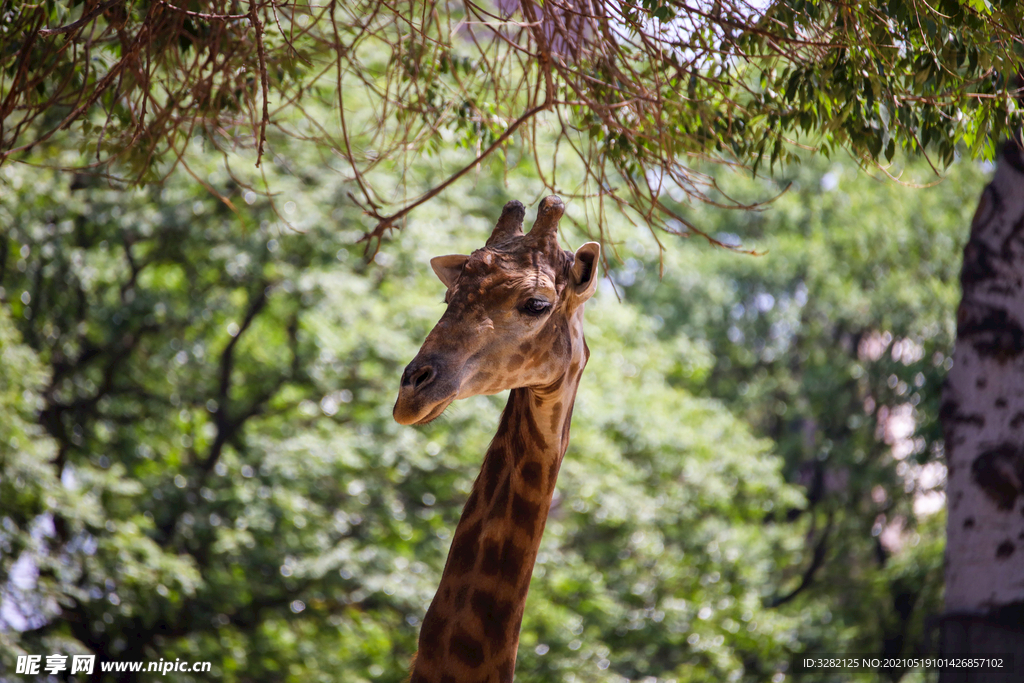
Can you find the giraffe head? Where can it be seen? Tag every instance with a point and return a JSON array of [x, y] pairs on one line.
[[513, 318]]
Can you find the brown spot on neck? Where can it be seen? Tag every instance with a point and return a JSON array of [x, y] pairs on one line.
[[556, 414]]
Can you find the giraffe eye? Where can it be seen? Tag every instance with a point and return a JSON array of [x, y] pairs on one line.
[[536, 306]]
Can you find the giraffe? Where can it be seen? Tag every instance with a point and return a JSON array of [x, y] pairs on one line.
[[514, 321]]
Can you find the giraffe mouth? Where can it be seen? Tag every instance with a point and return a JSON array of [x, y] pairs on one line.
[[435, 412], [406, 411]]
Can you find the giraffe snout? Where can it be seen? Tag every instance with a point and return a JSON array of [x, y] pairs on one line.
[[425, 391]]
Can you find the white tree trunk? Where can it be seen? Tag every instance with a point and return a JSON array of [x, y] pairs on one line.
[[983, 420]]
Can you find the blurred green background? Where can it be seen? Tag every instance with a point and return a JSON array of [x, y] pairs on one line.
[[198, 459]]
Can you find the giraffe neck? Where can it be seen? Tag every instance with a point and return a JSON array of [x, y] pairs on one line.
[[471, 630]]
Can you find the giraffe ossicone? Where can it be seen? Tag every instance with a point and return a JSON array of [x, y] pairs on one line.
[[514, 321]]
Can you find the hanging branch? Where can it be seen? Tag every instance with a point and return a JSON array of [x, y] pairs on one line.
[[258, 26]]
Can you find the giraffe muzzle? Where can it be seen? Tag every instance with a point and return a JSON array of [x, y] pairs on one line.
[[422, 396]]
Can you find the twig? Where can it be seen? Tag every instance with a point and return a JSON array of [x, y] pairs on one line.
[[200, 15], [258, 25], [85, 19]]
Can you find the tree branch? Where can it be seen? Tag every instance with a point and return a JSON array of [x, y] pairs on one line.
[[818, 559], [388, 222]]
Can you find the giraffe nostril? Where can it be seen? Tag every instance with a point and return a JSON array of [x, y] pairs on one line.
[[419, 378]]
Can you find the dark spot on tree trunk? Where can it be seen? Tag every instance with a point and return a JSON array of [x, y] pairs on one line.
[[1018, 228], [1000, 403], [969, 523], [999, 472], [1017, 420], [949, 412], [1005, 549], [993, 332], [1013, 155], [989, 200], [977, 266]]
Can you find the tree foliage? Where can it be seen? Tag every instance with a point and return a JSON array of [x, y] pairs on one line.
[[640, 93]]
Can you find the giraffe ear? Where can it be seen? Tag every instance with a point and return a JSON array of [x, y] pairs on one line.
[[584, 270], [448, 268]]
